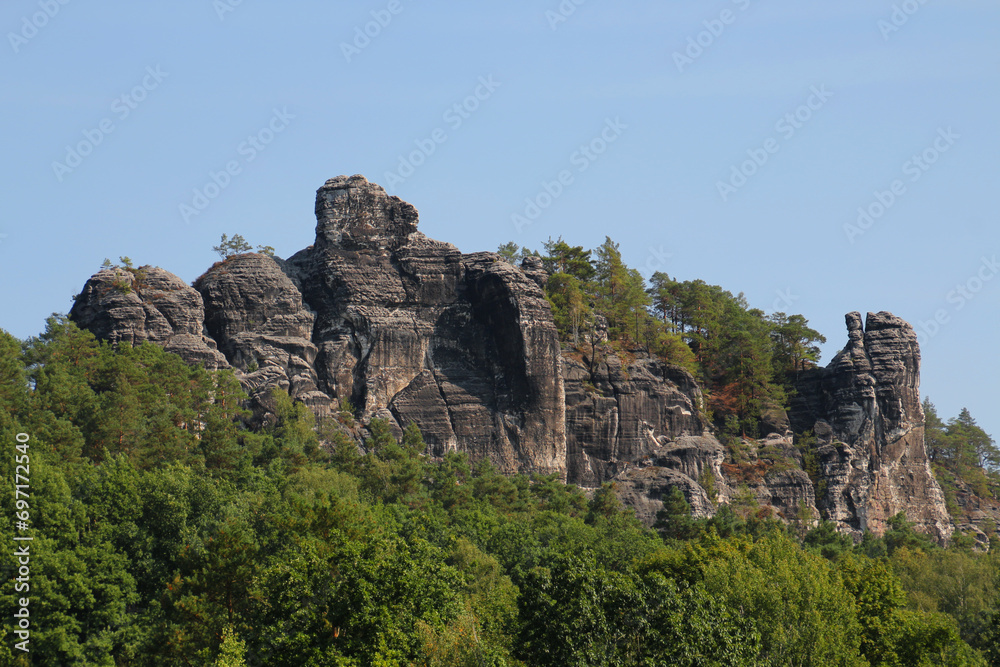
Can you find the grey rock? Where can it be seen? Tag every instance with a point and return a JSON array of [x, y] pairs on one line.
[[643, 489], [619, 413], [256, 315], [865, 410], [410, 329], [147, 304], [535, 270], [462, 345]]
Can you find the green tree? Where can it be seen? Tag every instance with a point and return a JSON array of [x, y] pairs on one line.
[[804, 614], [794, 342], [560, 257], [570, 308], [674, 520], [621, 291], [605, 504], [232, 651], [232, 246], [977, 447], [510, 251]]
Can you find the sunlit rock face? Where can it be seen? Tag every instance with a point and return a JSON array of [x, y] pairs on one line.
[[411, 330], [864, 408]]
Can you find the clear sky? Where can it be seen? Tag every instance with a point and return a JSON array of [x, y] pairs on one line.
[[737, 141]]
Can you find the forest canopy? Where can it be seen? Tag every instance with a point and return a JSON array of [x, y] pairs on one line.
[[167, 531]]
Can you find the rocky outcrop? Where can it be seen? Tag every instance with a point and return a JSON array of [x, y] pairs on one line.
[[619, 413], [703, 469], [643, 489], [255, 314], [147, 304], [409, 329], [864, 409]]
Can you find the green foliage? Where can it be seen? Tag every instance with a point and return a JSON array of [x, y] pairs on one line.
[[127, 276], [570, 308], [167, 532], [510, 251], [824, 540], [963, 456], [232, 246], [232, 651], [749, 361], [572, 260], [674, 521]]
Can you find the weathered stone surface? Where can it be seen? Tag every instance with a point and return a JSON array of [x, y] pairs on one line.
[[865, 410], [643, 489], [147, 304], [977, 514], [411, 330], [535, 270], [617, 414], [256, 315], [462, 345]]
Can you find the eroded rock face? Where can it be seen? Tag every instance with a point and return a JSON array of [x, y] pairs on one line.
[[462, 345], [411, 330], [864, 408], [404, 327], [697, 465], [256, 315], [147, 304], [617, 414], [644, 489]]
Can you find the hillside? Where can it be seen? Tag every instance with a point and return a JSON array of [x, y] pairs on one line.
[[384, 452], [562, 363]]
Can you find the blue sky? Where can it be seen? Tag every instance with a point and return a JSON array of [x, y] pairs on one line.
[[733, 141]]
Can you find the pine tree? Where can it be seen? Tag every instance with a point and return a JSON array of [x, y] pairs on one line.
[[233, 246]]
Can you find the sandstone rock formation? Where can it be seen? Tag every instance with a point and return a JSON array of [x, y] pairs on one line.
[[374, 313], [148, 303], [409, 329], [864, 408], [257, 317], [618, 413]]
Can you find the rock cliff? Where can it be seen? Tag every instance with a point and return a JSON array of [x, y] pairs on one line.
[[133, 306], [373, 313], [409, 329], [864, 409]]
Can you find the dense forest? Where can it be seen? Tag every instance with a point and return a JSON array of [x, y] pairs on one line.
[[166, 531]]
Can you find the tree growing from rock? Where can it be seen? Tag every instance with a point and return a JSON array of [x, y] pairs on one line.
[[238, 245]]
